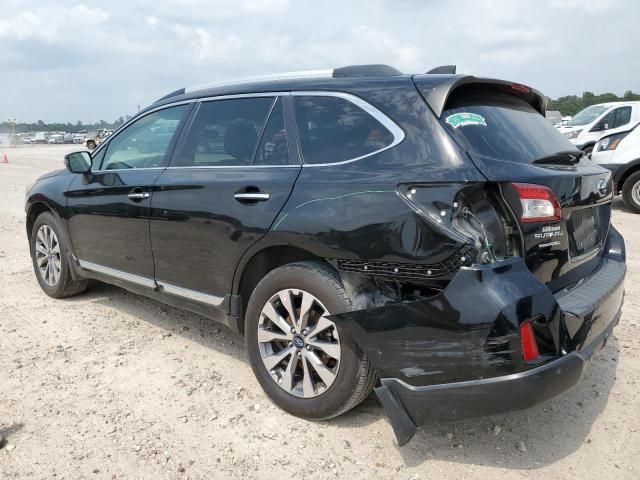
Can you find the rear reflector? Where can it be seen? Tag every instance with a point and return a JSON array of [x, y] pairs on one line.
[[529, 345], [539, 203]]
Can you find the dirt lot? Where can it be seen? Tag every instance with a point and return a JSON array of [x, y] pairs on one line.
[[113, 385]]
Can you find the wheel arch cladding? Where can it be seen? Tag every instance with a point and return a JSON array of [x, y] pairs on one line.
[[260, 263], [35, 210]]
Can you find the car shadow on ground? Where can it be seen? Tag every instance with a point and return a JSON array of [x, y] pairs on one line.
[[549, 432], [7, 432], [173, 321]]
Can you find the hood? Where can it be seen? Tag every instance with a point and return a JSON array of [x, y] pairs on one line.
[[565, 128], [53, 173]]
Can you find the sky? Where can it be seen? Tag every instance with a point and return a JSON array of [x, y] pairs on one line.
[[70, 60]]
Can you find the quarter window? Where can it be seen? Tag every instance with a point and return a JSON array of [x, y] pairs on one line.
[[144, 143], [333, 129], [225, 132]]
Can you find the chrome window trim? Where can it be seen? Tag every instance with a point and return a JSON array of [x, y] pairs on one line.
[[233, 96], [191, 294], [112, 272], [209, 167], [394, 128], [397, 132], [127, 169]]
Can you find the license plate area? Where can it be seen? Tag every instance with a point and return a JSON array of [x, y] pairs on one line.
[[584, 232]]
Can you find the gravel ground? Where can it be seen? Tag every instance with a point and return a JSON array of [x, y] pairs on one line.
[[113, 385]]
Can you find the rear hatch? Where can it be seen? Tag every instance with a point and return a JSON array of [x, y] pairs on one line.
[[513, 145]]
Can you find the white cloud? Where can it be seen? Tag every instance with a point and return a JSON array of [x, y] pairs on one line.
[[51, 23], [89, 61], [382, 44], [588, 6]]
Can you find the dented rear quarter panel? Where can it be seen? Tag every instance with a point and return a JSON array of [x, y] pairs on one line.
[[353, 210], [467, 332]]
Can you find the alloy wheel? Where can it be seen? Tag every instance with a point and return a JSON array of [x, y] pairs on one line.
[[48, 259], [299, 346], [635, 193]]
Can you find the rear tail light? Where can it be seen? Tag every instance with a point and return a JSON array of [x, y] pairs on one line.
[[539, 203], [528, 339], [520, 88]]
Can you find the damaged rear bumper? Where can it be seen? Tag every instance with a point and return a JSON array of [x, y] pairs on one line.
[[409, 407], [458, 355]]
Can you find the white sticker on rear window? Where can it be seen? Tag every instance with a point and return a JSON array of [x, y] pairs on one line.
[[464, 118]]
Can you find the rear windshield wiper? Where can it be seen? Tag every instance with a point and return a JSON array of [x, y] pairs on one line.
[[569, 157]]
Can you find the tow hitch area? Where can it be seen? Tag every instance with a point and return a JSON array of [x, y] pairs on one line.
[[459, 354]]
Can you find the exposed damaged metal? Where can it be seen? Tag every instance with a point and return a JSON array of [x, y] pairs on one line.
[[412, 271], [433, 352]]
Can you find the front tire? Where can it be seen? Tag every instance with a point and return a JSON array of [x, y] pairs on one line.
[[91, 144], [49, 257], [306, 364], [631, 192]]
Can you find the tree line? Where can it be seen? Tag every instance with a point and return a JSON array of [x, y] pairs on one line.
[[40, 126], [572, 104]]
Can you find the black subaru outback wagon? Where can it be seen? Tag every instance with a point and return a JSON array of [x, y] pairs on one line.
[[432, 236]]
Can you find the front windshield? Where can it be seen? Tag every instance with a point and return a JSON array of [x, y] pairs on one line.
[[586, 116]]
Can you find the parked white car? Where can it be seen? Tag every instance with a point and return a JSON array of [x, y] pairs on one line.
[[596, 121], [620, 153]]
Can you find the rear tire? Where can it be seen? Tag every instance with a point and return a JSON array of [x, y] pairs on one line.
[[49, 256], [304, 393], [91, 144], [631, 192]]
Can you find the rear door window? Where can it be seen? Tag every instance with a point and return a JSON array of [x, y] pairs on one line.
[[225, 132], [501, 126], [333, 129]]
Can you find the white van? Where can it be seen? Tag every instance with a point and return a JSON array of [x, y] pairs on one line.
[[620, 153], [592, 123]]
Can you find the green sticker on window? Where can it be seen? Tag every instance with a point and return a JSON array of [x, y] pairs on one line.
[[462, 119]]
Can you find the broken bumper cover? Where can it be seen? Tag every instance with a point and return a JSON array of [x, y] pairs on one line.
[[457, 355], [409, 407]]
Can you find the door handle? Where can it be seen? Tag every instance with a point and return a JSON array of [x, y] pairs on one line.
[[251, 197], [139, 195]]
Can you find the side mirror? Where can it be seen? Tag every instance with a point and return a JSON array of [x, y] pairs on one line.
[[78, 162]]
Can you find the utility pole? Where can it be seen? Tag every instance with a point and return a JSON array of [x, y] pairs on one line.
[[12, 131]]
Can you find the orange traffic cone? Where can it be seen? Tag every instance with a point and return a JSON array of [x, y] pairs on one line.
[[5, 159]]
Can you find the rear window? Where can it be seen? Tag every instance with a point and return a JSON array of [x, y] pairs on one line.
[[501, 126]]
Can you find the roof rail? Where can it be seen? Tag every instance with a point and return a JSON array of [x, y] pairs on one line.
[[443, 69], [342, 72], [263, 78], [376, 70]]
